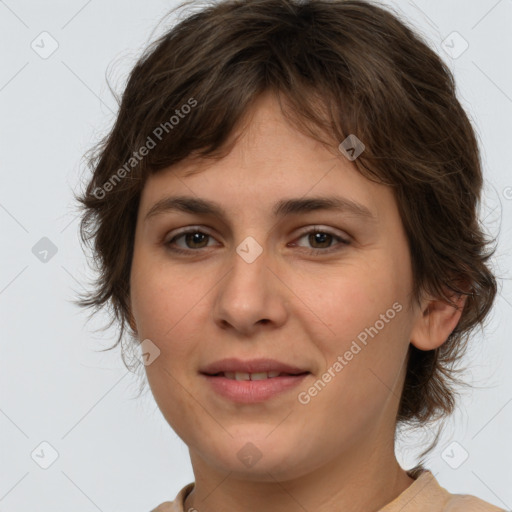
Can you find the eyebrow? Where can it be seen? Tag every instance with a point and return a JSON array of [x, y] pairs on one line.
[[283, 208]]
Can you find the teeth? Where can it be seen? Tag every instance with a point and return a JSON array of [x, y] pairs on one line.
[[251, 376], [259, 376]]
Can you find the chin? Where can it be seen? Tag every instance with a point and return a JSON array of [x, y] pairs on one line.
[[258, 457]]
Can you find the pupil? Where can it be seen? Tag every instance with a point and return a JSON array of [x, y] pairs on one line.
[[320, 237], [196, 237]]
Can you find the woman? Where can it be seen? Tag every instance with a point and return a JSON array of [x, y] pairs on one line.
[[286, 216]]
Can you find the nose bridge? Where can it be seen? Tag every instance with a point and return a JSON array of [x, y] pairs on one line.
[[249, 292], [248, 280]]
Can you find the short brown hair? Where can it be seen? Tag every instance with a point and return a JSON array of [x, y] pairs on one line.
[[344, 67]]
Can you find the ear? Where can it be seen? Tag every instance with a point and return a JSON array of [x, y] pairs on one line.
[[436, 321]]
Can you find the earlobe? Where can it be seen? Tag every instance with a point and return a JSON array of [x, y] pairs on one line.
[[436, 322]]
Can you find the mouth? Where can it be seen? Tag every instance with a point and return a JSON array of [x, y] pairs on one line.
[[234, 368], [244, 376], [252, 381], [251, 388]]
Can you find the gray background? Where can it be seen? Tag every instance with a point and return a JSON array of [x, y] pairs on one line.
[[114, 451]]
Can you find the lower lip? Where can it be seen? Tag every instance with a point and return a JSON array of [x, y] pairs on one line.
[[250, 391]]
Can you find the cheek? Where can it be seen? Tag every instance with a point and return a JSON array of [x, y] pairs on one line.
[[171, 309], [166, 305], [360, 315], [347, 300], [363, 359], [161, 298]]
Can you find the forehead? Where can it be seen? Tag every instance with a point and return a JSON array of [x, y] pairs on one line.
[[271, 161]]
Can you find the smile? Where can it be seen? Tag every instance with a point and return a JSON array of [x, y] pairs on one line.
[[246, 388]]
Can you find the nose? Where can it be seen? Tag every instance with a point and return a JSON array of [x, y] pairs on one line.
[[251, 296]]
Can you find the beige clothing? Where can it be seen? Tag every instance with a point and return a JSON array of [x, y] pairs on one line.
[[424, 495]]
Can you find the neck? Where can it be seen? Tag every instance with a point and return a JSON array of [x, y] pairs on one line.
[[367, 483]]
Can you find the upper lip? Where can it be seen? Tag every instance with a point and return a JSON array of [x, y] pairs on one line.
[[233, 364]]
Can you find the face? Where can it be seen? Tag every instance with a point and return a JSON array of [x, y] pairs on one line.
[[324, 290]]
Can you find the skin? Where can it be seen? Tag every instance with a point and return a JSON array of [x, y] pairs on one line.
[[335, 452]]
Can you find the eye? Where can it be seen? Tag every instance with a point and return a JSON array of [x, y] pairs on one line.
[[322, 238], [193, 238]]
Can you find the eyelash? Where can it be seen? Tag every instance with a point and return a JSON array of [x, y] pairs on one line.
[[314, 252]]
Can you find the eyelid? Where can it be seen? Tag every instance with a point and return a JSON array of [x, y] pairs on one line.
[[184, 231], [343, 240], [187, 229], [323, 229], [305, 230]]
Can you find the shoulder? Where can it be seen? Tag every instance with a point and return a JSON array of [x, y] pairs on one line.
[[467, 503], [178, 504], [426, 495]]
